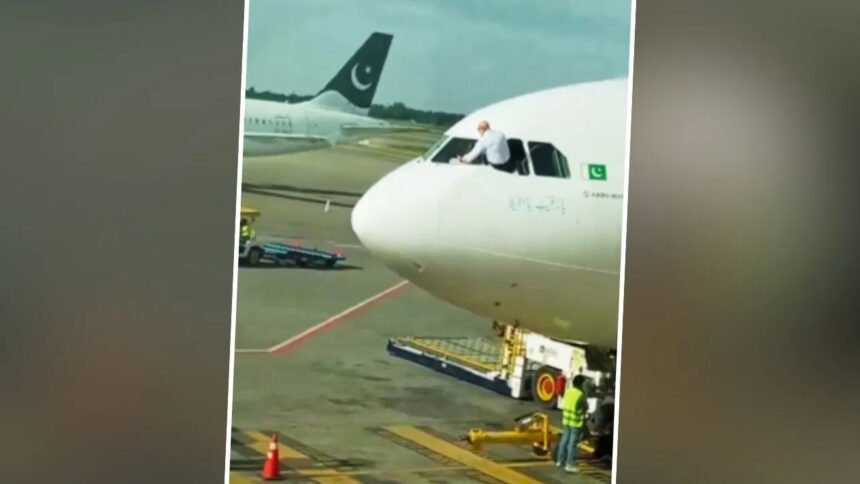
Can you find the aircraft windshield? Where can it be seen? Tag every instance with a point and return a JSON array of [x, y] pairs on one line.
[[441, 141], [453, 148]]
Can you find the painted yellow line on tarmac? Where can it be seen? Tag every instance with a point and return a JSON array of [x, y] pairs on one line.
[[310, 469], [261, 445], [311, 473], [321, 475], [431, 470], [463, 456], [236, 478]]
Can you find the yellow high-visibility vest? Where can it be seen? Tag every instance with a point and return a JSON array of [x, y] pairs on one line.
[[573, 408], [247, 233]]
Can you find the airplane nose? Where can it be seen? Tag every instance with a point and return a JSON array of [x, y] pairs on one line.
[[397, 219]]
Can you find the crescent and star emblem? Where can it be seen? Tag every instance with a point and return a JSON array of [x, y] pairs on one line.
[[358, 84]]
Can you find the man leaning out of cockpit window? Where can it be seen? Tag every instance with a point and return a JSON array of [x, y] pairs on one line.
[[494, 146]]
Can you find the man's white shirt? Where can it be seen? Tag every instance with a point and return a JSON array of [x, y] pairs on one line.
[[494, 145]]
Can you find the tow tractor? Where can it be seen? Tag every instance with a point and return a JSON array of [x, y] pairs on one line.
[[252, 252], [525, 365]]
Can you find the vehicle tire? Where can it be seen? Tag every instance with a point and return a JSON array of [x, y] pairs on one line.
[[254, 257], [330, 263], [302, 262], [600, 420], [543, 387]]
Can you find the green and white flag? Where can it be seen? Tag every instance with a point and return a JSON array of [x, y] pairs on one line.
[[594, 172]]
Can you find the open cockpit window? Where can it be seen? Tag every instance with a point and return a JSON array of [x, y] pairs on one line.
[[547, 160], [448, 148], [454, 148], [518, 157]]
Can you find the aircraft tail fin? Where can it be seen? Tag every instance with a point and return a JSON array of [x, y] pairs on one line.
[[357, 80]]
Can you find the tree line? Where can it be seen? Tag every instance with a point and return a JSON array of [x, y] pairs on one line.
[[396, 111]]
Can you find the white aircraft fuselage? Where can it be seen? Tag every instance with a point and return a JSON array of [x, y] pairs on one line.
[[281, 128], [337, 114], [538, 250]]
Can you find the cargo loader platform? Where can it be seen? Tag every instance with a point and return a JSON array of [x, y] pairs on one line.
[[474, 360]]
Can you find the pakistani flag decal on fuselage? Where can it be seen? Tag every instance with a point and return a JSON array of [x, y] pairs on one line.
[[594, 172]]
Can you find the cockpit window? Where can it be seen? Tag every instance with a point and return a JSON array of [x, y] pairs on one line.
[[454, 148], [441, 141], [548, 160]]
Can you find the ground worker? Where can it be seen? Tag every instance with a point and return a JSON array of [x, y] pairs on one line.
[[574, 407], [246, 232], [494, 146]]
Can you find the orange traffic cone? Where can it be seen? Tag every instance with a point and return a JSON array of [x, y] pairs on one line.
[[271, 469]]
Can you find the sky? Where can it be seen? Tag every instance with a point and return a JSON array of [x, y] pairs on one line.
[[447, 55]]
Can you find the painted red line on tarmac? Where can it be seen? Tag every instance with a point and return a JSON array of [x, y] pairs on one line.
[[332, 322]]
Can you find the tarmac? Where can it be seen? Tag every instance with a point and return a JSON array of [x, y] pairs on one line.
[[310, 361]]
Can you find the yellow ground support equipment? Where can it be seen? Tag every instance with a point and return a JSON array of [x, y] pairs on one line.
[[522, 365], [530, 429], [250, 213]]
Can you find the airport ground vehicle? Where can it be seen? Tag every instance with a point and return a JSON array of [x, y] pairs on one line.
[[523, 365], [253, 252]]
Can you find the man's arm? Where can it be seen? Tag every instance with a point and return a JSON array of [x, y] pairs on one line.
[[479, 147], [582, 405]]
